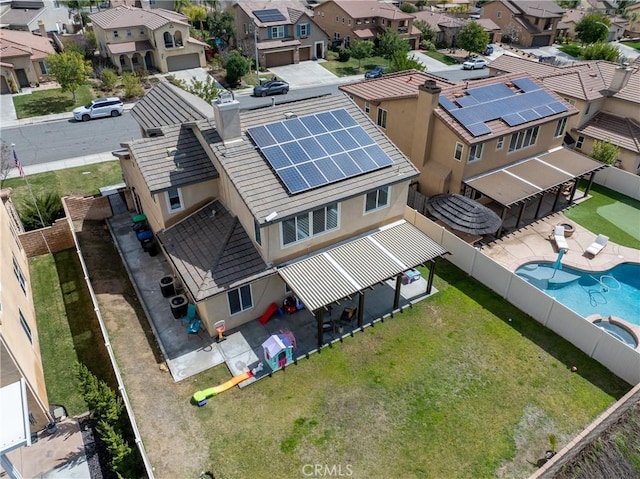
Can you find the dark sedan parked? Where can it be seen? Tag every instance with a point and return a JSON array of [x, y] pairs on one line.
[[271, 88]]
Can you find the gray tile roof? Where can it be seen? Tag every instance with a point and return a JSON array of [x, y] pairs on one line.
[[160, 171], [126, 17], [260, 187], [166, 104], [620, 131], [20, 16], [212, 252]]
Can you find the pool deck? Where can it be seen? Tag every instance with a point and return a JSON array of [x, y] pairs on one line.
[[534, 242]]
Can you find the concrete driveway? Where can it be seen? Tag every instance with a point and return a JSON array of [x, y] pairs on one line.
[[308, 74], [200, 74], [7, 110]]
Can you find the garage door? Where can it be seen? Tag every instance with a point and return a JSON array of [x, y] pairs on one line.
[[541, 41], [279, 58], [305, 54], [183, 62]]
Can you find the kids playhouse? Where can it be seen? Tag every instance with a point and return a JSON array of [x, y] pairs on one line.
[[278, 351]]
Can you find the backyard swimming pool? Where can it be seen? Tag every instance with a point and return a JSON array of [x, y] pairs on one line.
[[615, 292]]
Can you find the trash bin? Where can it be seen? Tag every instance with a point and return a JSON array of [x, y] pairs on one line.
[[144, 235], [139, 218], [179, 306], [167, 286]]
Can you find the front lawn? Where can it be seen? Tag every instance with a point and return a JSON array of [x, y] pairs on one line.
[[47, 102], [350, 67], [441, 57], [572, 49], [635, 45]]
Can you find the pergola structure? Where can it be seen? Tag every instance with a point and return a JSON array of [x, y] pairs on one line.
[[335, 275], [520, 182]]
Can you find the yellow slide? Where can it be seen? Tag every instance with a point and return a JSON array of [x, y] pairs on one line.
[[200, 396]]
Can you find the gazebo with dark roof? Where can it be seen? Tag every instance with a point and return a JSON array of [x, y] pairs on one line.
[[464, 214]]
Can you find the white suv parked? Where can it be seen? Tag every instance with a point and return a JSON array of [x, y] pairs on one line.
[[99, 108]]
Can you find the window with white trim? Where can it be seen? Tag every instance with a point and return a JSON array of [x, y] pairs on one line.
[[580, 142], [277, 32], [25, 326], [382, 118], [309, 224], [500, 143], [523, 139], [475, 153], [562, 123], [174, 199], [376, 200], [367, 107], [20, 277], [240, 299], [457, 154]]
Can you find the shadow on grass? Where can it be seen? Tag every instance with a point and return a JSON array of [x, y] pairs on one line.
[[348, 71], [558, 347], [46, 106]]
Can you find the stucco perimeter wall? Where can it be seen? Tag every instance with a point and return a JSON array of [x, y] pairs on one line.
[[619, 180], [593, 341]]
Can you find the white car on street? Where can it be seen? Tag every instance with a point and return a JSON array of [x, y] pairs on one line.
[[474, 64], [99, 108]]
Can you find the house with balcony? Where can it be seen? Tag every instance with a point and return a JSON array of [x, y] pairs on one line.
[[605, 95], [497, 140], [136, 39], [22, 57], [305, 198], [527, 23], [346, 21], [285, 32]]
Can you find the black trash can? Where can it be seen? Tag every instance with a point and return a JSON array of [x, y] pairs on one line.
[[167, 286], [153, 249], [179, 306]]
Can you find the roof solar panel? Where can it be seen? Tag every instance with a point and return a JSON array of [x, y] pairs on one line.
[[557, 107], [277, 157], [293, 179], [312, 174], [525, 84], [330, 145], [378, 155], [529, 114], [295, 152], [478, 129], [313, 125], [344, 118], [514, 119], [490, 92], [467, 100], [345, 139], [279, 132], [262, 137], [447, 104], [313, 148], [363, 160], [329, 121], [329, 169], [269, 15], [346, 164], [361, 136], [543, 110], [297, 128]]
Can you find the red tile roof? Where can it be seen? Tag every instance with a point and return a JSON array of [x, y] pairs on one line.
[[15, 43], [393, 86], [620, 131]]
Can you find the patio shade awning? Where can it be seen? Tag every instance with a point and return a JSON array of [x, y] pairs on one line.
[[345, 270], [520, 181], [463, 214]]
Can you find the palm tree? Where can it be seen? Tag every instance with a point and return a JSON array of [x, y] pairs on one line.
[[179, 5]]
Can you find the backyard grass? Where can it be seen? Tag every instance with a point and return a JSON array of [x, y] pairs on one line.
[[47, 102], [609, 213], [441, 57], [84, 180], [350, 67]]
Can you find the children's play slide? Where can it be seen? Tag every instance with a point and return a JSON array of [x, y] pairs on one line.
[[273, 307], [201, 396]]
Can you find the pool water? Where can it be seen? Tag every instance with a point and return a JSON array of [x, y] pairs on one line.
[[615, 292]]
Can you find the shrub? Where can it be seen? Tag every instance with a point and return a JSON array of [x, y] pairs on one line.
[[572, 49], [237, 66], [132, 85], [332, 56], [344, 54], [109, 79], [427, 45], [48, 206], [408, 8]]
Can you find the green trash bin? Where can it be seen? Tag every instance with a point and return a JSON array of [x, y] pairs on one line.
[[139, 218]]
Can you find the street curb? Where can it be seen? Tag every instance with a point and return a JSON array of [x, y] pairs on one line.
[[34, 120]]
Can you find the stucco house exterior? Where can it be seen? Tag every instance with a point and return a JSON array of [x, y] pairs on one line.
[[285, 31], [22, 57], [27, 15], [136, 39], [248, 207], [525, 22], [346, 21]]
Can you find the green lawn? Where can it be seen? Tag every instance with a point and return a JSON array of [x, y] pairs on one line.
[[572, 49], [635, 45], [85, 180], [350, 67], [462, 385], [441, 57], [46, 102], [611, 214]]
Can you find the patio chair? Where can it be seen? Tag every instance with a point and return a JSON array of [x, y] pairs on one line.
[[558, 236], [598, 245], [191, 314]]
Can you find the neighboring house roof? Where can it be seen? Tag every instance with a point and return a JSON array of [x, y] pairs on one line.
[[487, 24], [129, 47], [277, 43], [366, 32], [394, 86], [167, 104], [536, 8], [620, 131], [573, 16], [17, 43], [126, 17], [261, 189], [161, 169], [212, 252], [371, 8], [438, 21], [20, 16], [291, 10]]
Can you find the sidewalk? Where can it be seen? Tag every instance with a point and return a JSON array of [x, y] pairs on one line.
[[45, 118], [62, 164]]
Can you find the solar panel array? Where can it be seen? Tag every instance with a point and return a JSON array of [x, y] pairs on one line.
[[315, 150], [269, 15], [486, 103]]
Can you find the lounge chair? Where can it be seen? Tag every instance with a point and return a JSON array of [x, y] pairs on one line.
[[597, 245], [558, 236]]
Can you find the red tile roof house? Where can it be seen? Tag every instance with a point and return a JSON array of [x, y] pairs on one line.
[[285, 30], [22, 57], [607, 96], [248, 203]]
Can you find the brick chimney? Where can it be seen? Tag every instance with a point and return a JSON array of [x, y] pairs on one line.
[[226, 111], [620, 78], [428, 95], [43, 30]]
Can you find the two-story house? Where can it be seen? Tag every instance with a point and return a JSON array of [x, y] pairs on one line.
[[29, 15], [285, 32], [447, 27], [605, 95], [305, 198], [136, 39], [529, 23], [346, 21], [497, 139], [22, 57]]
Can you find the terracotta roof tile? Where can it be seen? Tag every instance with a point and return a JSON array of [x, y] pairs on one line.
[[615, 129], [393, 86], [125, 16], [372, 8]]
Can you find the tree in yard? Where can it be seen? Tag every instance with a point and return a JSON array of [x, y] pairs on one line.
[[426, 32], [180, 5], [400, 63], [206, 90], [222, 25], [132, 85], [361, 49], [237, 66], [473, 38], [390, 42], [197, 14], [605, 152], [408, 8], [593, 28], [109, 79], [601, 51], [70, 69]]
